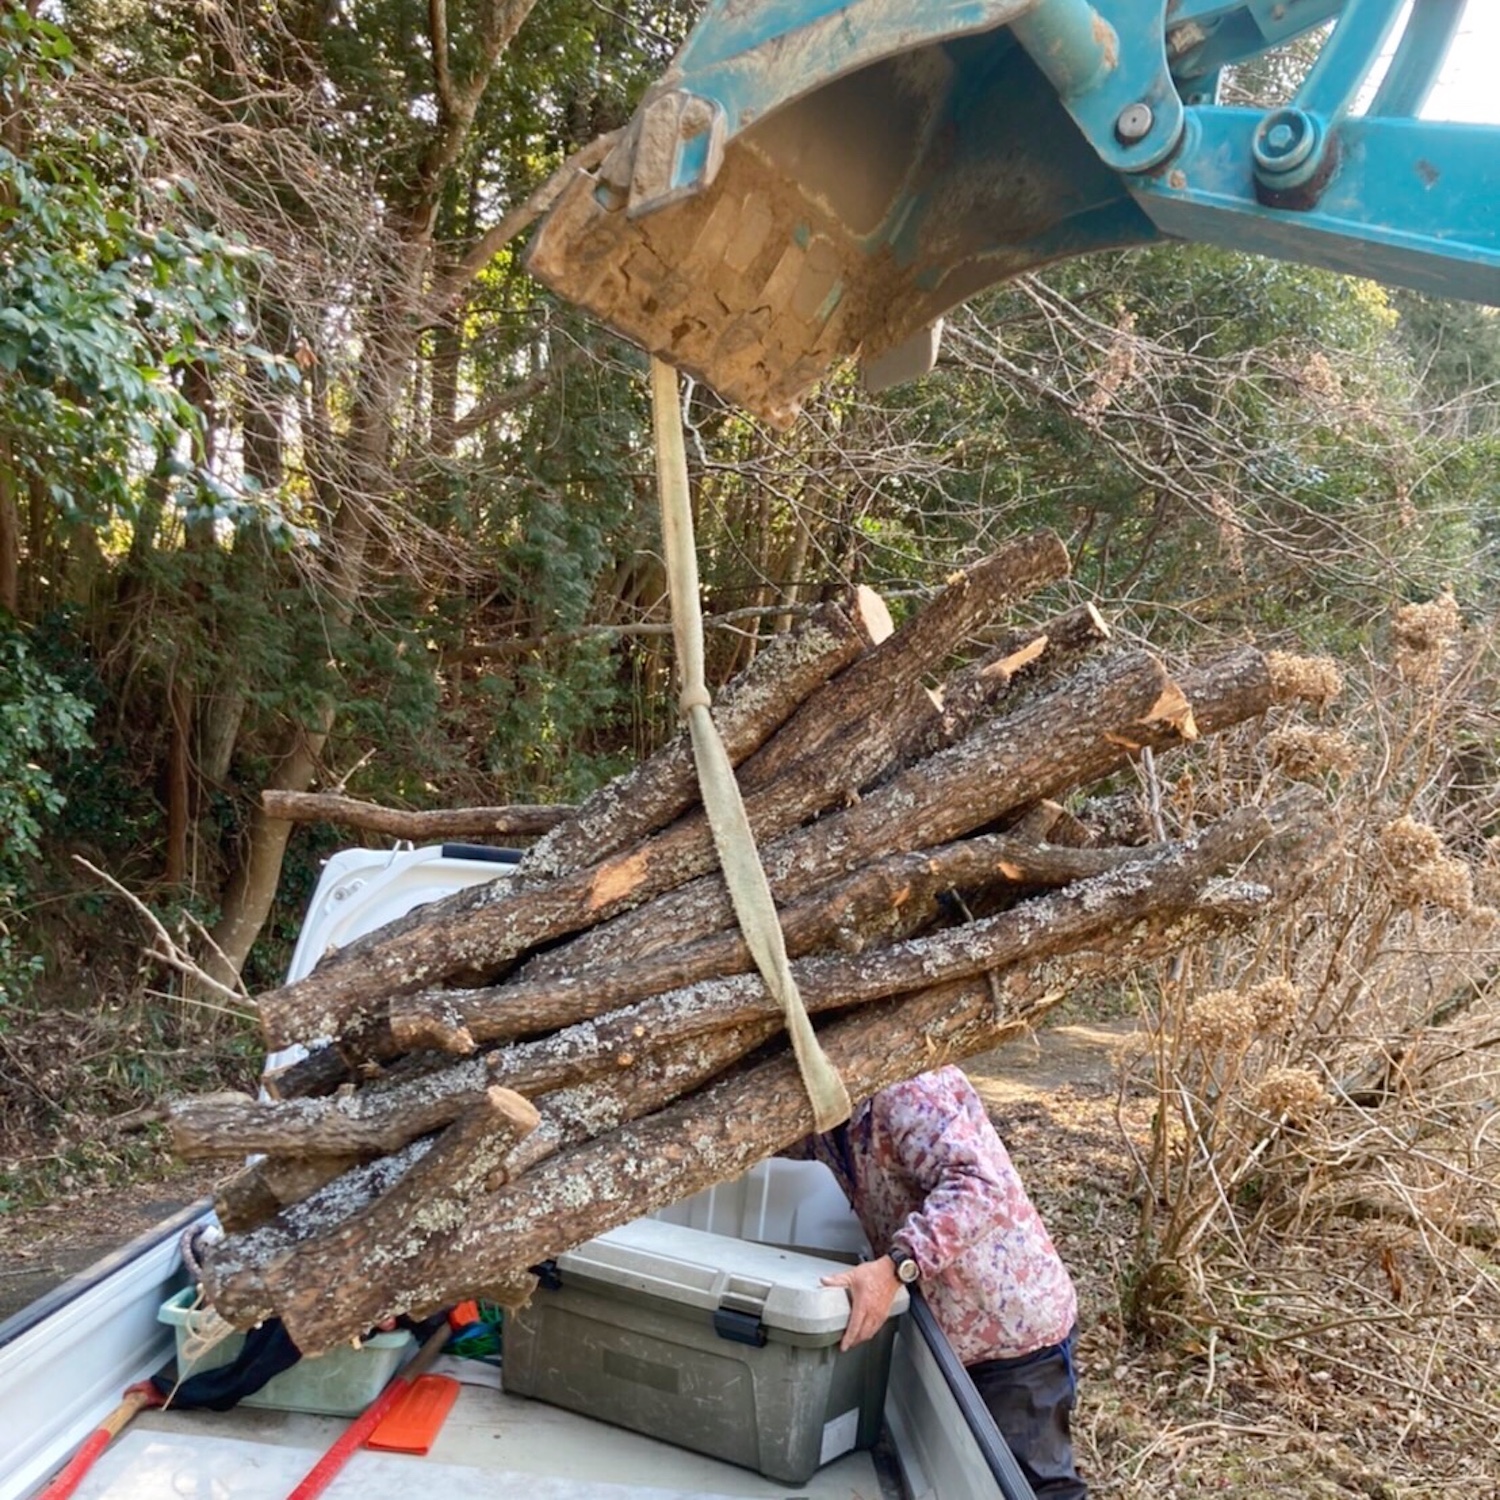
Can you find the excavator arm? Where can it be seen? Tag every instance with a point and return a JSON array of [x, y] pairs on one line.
[[814, 181]]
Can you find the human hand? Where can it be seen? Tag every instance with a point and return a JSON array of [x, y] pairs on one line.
[[872, 1286]]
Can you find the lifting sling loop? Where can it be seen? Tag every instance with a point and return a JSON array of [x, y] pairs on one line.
[[738, 856]]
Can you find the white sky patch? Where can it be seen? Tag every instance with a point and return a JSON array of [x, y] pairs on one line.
[[1469, 86]]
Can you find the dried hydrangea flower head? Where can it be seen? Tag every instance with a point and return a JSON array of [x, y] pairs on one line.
[[1275, 1003], [1418, 871], [1307, 679], [1220, 1021], [1405, 842], [1422, 636], [1303, 753], [1295, 1094]]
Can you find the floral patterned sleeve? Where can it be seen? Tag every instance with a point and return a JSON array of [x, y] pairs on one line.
[[934, 1177], [925, 1170], [958, 1167]]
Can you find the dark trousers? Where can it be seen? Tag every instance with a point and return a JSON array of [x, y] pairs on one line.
[[1031, 1400]]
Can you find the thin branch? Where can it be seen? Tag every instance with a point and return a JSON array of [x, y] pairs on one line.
[[403, 823], [450, 286], [167, 950]]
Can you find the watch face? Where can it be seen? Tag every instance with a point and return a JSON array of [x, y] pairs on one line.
[[907, 1269]]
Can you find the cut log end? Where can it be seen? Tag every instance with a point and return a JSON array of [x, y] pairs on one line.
[[1173, 711], [872, 614]]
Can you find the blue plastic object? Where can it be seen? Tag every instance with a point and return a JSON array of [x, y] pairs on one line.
[[811, 181]]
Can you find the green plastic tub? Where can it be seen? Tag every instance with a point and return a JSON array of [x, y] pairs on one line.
[[706, 1341], [340, 1383]]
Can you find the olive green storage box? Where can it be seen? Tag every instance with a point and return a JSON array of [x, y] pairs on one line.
[[713, 1343]]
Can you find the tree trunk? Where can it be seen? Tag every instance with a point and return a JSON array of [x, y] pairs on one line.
[[179, 778], [863, 693], [10, 536], [401, 823], [476, 933], [363, 463], [850, 915], [252, 886], [568, 1117], [1074, 735]]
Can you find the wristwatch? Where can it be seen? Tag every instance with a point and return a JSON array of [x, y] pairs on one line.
[[907, 1269]]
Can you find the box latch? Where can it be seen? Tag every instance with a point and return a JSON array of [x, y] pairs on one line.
[[739, 1327], [740, 1313]]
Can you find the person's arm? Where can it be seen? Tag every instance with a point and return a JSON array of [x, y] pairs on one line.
[[945, 1145]]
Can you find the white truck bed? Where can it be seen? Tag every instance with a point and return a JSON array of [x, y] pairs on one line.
[[65, 1362], [491, 1444]]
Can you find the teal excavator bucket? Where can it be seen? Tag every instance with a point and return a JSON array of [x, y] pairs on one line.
[[811, 182]]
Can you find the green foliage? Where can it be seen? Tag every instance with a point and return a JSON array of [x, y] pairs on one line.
[[109, 290], [39, 719]]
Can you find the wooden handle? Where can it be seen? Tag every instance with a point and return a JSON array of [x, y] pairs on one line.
[[97, 1441]]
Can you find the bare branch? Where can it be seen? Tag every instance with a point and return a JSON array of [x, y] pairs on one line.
[[403, 823], [450, 286]]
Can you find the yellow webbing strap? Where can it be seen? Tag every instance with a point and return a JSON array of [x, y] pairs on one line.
[[738, 856]]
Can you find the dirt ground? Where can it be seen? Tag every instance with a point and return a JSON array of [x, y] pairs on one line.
[[40, 1248]]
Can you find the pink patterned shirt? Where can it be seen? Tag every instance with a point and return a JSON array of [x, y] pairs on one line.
[[925, 1170]]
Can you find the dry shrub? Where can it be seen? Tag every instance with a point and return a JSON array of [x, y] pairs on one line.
[[1324, 1152], [1422, 637]]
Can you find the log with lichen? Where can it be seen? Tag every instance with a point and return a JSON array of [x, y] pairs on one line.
[[510, 1070]]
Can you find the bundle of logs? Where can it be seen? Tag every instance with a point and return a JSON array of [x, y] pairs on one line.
[[509, 1071]]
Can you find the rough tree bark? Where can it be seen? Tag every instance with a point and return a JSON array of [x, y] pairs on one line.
[[846, 916], [1078, 733], [1161, 882], [862, 695], [712, 1135], [483, 930]]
